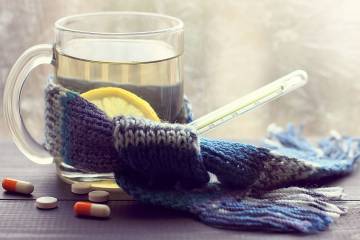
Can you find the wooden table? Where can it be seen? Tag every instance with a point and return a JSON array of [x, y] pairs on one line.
[[19, 219]]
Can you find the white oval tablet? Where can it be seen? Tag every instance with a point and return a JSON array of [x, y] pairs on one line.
[[80, 188], [98, 196], [46, 202]]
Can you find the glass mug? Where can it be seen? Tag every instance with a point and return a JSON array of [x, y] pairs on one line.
[[140, 52]]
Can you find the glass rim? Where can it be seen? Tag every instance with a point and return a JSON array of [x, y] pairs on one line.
[[60, 24]]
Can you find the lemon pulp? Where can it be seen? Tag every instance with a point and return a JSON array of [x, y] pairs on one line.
[[117, 101]]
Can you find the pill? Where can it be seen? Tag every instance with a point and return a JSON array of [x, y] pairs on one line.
[[46, 202], [80, 188], [18, 186], [98, 196], [91, 209]]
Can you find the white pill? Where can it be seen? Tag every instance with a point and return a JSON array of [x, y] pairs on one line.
[[80, 188], [18, 186], [98, 196], [91, 209], [46, 202]]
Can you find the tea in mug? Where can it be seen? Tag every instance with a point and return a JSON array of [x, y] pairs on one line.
[[148, 68]]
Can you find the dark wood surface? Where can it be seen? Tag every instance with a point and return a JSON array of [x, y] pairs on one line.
[[19, 219]]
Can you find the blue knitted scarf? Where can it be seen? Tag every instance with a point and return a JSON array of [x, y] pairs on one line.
[[224, 184]]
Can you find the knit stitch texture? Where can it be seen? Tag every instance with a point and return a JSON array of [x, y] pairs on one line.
[[225, 184]]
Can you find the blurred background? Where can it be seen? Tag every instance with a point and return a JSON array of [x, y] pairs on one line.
[[231, 48]]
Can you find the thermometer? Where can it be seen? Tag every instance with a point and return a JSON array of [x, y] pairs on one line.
[[251, 101]]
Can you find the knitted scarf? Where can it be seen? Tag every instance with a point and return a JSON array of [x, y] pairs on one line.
[[224, 184]]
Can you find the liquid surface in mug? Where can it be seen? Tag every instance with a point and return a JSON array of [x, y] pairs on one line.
[[148, 68]]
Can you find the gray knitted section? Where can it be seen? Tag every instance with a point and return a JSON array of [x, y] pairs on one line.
[[133, 131], [53, 118], [275, 174]]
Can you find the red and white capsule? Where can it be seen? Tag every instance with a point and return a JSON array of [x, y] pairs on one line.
[[91, 209], [18, 186]]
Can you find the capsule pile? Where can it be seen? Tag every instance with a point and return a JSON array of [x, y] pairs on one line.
[[93, 208]]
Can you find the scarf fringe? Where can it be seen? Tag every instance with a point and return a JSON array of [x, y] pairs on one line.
[[322, 199], [290, 209]]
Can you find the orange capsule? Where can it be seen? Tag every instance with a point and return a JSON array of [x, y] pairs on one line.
[[18, 186], [91, 209]]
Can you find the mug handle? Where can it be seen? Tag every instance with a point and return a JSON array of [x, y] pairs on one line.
[[31, 58]]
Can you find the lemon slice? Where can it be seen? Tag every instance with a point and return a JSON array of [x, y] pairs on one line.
[[117, 101]]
